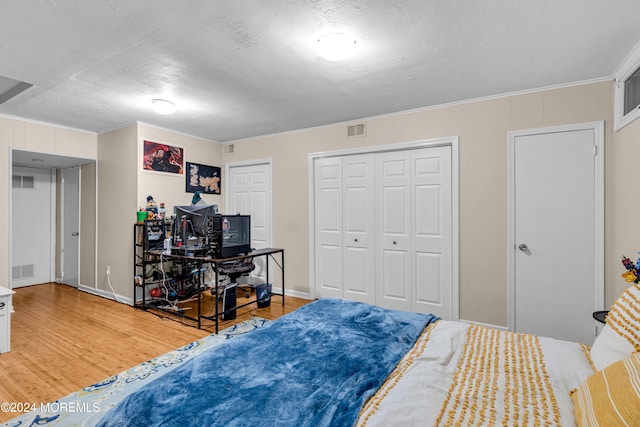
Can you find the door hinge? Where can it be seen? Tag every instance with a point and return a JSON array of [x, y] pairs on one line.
[[595, 150]]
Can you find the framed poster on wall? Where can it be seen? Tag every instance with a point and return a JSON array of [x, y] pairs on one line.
[[202, 178], [160, 157]]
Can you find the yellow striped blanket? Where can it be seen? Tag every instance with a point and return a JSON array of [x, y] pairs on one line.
[[468, 375]]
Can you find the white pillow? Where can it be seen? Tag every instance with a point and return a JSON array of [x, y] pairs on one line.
[[620, 337]]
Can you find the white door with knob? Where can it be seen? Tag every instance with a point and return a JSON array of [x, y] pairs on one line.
[[556, 231]]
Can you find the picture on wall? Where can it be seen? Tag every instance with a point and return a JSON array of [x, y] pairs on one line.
[[161, 157], [203, 178]]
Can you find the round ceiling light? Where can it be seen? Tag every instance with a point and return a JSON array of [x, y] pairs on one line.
[[162, 106], [335, 46]]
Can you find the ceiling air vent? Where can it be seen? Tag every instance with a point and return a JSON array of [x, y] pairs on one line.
[[356, 130], [10, 88], [229, 148]]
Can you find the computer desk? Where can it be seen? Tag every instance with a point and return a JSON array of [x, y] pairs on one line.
[[202, 260]]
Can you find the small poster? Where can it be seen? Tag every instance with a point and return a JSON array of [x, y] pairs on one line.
[[203, 178], [163, 158]]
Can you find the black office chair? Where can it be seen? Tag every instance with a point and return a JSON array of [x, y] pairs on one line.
[[233, 270]]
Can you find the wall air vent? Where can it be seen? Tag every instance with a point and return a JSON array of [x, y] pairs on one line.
[[228, 149], [22, 271], [356, 130], [19, 181]]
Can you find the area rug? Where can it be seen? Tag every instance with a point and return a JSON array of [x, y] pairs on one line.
[[86, 406]]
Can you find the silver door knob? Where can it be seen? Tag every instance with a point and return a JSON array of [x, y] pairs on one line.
[[523, 247]]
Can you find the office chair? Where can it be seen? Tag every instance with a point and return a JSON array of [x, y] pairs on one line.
[[234, 269]]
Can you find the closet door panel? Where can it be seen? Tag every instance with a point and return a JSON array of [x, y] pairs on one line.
[[394, 230], [431, 218], [359, 227], [328, 223], [383, 229], [393, 291]]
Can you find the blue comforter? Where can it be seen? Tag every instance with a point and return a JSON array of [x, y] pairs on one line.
[[313, 367]]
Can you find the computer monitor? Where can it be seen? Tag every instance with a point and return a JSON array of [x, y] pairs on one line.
[[192, 221], [222, 236]]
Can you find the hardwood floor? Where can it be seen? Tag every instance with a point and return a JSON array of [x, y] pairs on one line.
[[63, 339]]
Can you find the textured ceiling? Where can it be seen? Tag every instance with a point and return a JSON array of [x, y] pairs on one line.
[[237, 69]]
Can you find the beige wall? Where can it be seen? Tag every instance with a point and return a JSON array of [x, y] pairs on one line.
[[36, 137], [623, 205], [169, 188], [124, 187], [117, 203], [482, 127]]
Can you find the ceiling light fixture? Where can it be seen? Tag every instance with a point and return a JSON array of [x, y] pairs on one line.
[[164, 107], [335, 46]]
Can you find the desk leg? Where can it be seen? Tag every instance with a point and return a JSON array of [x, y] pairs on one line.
[[215, 299], [266, 259], [282, 270], [199, 292]]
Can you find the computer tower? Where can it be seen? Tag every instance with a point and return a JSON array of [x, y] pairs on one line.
[[229, 302], [229, 235]]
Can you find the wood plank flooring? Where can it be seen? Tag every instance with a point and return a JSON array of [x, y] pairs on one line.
[[63, 339]]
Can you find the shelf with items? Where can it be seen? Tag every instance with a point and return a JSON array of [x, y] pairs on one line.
[[148, 235], [162, 282]]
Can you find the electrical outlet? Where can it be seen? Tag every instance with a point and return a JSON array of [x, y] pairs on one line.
[[108, 269]]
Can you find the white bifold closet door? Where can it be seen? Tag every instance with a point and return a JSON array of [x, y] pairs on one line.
[[383, 229], [345, 238]]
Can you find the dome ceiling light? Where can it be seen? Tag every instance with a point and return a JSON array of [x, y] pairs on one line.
[[335, 46], [164, 107]]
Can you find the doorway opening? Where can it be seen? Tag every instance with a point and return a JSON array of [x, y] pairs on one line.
[[52, 219]]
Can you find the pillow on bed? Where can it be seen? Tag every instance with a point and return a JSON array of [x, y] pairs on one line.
[[611, 396], [621, 334]]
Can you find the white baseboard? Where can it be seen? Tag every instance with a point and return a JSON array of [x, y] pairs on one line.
[[290, 293], [129, 301], [105, 294]]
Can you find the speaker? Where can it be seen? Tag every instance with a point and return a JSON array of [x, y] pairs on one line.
[[229, 302]]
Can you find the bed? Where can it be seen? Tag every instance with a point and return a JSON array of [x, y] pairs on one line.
[[342, 363]]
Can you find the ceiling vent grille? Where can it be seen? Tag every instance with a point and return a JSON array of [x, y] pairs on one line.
[[10, 88], [229, 148], [356, 130]]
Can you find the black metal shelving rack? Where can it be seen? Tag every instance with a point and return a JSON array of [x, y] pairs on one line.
[[142, 260]]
